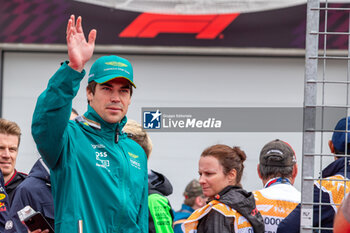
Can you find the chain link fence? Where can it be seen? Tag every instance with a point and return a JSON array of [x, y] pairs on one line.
[[322, 110]]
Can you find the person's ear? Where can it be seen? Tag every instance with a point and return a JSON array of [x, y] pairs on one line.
[[232, 176], [259, 173], [89, 94], [129, 101], [294, 173], [331, 146], [200, 201]]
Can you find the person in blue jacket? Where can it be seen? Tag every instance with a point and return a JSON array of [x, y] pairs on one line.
[[98, 175], [194, 199], [34, 191], [5, 221], [330, 190]]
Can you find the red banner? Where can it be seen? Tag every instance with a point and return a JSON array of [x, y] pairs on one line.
[[44, 22]]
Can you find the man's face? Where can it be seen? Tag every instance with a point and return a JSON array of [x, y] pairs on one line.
[[8, 153], [111, 99]]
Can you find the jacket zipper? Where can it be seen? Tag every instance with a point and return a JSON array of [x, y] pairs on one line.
[[80, 226], [126, 171]]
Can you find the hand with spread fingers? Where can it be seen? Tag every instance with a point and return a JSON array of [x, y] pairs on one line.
[[79, 50]]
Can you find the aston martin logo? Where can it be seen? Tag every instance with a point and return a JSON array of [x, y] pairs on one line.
[[115, 63]]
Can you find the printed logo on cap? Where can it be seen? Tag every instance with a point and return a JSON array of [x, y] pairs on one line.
[[114, 63]]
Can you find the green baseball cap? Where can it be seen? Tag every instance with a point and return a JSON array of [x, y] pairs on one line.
[[110, 67]]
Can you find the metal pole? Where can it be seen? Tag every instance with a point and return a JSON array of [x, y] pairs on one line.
[[310, 94]]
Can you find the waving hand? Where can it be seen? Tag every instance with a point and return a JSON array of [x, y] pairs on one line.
[[79, 50]]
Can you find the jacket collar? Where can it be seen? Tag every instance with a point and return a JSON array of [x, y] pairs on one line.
[[187, 208], [94, 120], [337, 167], [39, 171], [158, 182], [220, 196], [12, 178], [16, 178], [243, 202]]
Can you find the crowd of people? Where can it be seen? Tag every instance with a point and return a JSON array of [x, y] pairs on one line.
[[104, 157]]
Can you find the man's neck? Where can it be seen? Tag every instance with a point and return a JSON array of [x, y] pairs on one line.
[[195, 207], [8, 177], [271, 181]]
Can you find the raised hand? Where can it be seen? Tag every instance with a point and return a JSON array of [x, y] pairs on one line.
[[79, 50]]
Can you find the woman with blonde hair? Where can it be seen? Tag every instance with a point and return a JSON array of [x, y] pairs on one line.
[[230, 208]]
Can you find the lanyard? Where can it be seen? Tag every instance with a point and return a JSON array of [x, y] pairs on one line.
[[278, 180]]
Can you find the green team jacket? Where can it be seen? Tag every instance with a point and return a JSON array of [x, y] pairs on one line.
[[99, 175], [161, 220]]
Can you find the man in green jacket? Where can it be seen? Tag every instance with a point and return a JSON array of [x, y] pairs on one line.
[[98, 175], [160, 211]]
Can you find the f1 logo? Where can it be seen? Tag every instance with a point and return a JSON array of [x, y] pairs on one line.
[[149, 25]]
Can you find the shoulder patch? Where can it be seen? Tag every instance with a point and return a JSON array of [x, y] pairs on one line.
[[88, 122]]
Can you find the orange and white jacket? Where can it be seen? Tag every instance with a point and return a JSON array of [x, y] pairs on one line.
[[241, 224], [232, 210], [275, 203]]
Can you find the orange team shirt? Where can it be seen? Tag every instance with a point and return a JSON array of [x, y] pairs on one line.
[[275, 203]]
